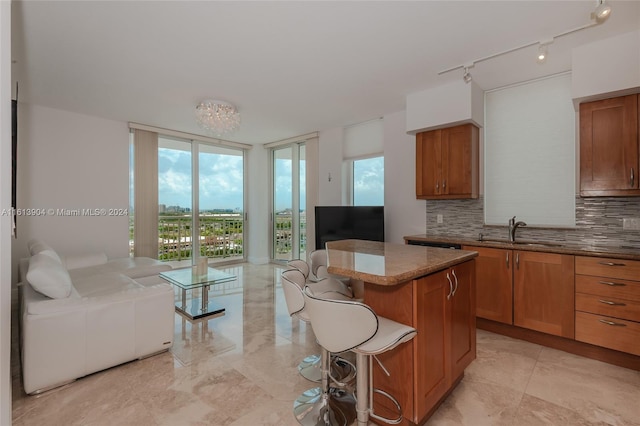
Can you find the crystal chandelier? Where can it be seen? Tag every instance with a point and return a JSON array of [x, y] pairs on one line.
[[217, 117]]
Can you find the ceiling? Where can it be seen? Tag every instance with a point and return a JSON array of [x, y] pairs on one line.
[[291, 68]]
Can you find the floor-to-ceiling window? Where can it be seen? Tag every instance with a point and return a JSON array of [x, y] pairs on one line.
[[288, 222], [201, 199]]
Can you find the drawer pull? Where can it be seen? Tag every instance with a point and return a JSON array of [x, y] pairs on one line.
[[612, 323], [611, 264], [612, 284], [610, 303]]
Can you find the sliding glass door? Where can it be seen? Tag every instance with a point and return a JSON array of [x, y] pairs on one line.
[[200, 200], [288, 217]]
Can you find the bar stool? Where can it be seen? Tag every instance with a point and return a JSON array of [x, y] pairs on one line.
[[319, 270], [367, 335], [311, 367], [326, 282], [324, 405]]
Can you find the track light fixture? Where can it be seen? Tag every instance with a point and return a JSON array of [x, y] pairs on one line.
[[466, 76], [543, 52], [602, 11]]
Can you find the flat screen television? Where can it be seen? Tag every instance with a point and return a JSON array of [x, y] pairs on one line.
[[335, 223]]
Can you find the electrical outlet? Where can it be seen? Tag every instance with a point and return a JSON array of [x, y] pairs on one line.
[[631, 223], [439, 218]]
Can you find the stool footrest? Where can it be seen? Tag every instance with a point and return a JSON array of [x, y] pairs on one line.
[[395, 421]]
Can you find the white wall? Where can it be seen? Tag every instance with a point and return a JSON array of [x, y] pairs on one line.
[[330, 163], [258, 208], [404, 214], [446, 105], [5, 222], [72, 161], [607, 66]]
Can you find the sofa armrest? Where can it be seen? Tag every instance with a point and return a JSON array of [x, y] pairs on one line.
[[84, 260]]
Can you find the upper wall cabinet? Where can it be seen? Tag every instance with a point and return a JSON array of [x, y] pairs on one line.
[[609, 157], [447, 163]]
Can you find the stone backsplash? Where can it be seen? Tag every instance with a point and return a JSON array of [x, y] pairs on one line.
[[598, 223]]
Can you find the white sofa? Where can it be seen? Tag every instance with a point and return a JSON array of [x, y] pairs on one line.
[[80, 315]]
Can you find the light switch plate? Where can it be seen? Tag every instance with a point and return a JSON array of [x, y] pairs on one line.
[[439, 218], [631, 223]]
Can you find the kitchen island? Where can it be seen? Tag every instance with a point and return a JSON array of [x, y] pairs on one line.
[[431, 289]]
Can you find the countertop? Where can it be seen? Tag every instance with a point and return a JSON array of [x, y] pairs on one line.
[[389, 263], [540, 246]]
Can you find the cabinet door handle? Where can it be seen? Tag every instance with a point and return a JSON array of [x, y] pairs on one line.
[[437, 186], [632, 180], [611, 264], [610, 303], [450, 287], [456, 278], [507, 260], [612, 284], [444, 184], [517, 260], [612, 323]]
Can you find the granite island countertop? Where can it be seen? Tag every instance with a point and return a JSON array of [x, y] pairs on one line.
[[389, 263], [540, 246]]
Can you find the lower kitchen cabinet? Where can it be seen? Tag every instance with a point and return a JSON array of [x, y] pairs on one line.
[[608, 303], [533, 290], [543, 292], [494, 284]]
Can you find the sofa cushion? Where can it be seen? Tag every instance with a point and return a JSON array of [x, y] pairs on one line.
[[84, 260], [104, 284], [47, 276]]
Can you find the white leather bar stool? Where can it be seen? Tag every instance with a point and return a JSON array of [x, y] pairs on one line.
[[326, 405], [340, 326], [311, 366], [319, 269]]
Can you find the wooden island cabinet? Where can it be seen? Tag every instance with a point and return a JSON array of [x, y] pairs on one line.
[[430, 289]]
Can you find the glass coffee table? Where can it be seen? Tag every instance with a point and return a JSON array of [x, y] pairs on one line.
[[188, 279]]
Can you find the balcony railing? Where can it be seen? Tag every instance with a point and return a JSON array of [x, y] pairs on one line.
[[221, 236]]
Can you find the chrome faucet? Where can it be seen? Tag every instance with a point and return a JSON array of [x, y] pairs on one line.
[[513, 226]]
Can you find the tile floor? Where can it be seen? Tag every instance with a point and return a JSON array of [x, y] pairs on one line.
[[240, 369]]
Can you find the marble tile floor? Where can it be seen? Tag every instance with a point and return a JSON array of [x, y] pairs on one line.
[[239, 369]]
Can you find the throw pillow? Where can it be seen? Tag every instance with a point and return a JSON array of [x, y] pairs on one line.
[[35, 246], [47, 276]]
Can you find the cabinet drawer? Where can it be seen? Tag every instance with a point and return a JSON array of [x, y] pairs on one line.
[[609, 306], [608, 287], [607, 267], [623, 336]]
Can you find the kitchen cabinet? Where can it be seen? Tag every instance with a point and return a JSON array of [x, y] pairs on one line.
[[609, 156], [533, 290], [447, 163], [494, 284], [608, 303], [543, 292], [448, 344]]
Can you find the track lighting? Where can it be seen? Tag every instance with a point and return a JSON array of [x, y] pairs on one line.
[[598, 16], [602, 11]]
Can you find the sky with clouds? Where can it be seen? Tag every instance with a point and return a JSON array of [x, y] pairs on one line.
[[221, 179]]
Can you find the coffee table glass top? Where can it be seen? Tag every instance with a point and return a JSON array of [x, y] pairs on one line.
[[188, 279]]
